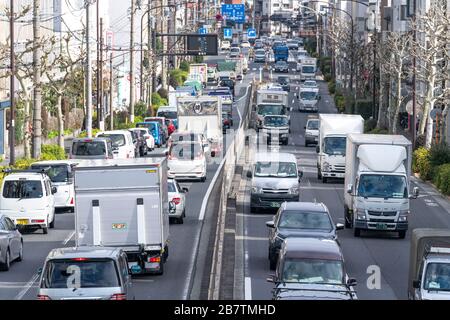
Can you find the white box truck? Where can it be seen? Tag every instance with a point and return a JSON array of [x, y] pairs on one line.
[[429, 265], [308, 69], [202, 114], [199, 69], [270, 102], [124, 204], [332, 143], [308, 99], [377, 180]]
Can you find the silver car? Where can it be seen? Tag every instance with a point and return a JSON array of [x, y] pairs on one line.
[[86, 273], [11, 243]]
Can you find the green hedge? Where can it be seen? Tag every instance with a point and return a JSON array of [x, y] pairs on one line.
[[332, 87], [184, 66], [339, 100], [364, 108], [157, 101], [441, 178], [421, 163]]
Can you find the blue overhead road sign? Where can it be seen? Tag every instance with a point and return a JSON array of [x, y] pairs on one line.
[[234, 12], [251, 33], [228, 33], [202, 31]]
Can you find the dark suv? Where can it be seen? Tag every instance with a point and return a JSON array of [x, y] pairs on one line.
[[285, 83]]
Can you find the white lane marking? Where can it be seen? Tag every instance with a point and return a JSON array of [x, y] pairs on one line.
[[27, 287], [70, 236], [248, 238], [248, 288], [14, 285], [254, 215], [191, 266]]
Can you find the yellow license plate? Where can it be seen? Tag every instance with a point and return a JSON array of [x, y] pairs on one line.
[[22, 222]]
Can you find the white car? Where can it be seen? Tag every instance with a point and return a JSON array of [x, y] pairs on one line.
[[235, 52], [60, 173], [27, 198], [177, 137], [309, 84], [245, 44], [187, 161], [122, 141], [177, 195], [226, 45], [149, 140]]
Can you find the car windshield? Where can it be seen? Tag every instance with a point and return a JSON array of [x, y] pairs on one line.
[[235, 50], [90, 273], [276, 169], [275, 121], [283, 80], [308, 69], [437, 277], [335, 145], [171, 186], [91, 148], [271, 110], [22, 189], [57, 173], [382, 186], [310, 84], [308, 95], [185, 151], [116, 139], [305, 220], [313, 271], [313, 125], [168, 114]]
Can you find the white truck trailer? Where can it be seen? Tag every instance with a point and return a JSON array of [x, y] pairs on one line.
[[200, 69], [429, 266], [124, 204], [202, 114], [270, 102], [333, 132], [377, 180], [308, 69]]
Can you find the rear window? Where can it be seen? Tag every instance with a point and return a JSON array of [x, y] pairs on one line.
[[186, 151], [90, 273], [93, 148], [168, 114], [23, 189], [116, 139], [185, 137], [57, 173]]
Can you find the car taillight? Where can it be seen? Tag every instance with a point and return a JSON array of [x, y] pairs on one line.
[[72, 201], [226, 122], [154, 259], [38, 221], [177, 201], [43, 297], [119, 296]]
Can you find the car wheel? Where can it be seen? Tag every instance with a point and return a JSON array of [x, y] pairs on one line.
[[319, 174], [52, 224], [357, 232], [272, 263], [402, 234], [348, 221], [324, 180], [252, 209], [203, 179], [5, 266], [45, 230], [20, 258], [306, 144]]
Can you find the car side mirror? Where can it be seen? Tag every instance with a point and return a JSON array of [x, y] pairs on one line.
[[271, 278], [352, 282], [350, 189], [39, 271], [54, 190], [270, 224], [249, 174], [416, 284], [300, 174], [340, 226], [185, 190], [415, 193], [317, 149]]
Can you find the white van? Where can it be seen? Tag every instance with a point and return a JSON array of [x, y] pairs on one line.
[[122, 141], [60, 173], [27, 198]]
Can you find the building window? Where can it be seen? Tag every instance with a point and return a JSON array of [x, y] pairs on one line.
[[403, 12]]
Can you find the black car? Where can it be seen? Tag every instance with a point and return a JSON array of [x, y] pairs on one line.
[[227, 83], [299, 219], [140, 144], [285, 83]]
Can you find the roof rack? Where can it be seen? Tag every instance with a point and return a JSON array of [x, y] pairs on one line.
[[440, 250], [42, 170]]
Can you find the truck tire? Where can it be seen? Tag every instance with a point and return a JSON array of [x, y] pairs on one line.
[[348, 223], [357, 232], [319, 174], [161, 269], [203, 179], [180, 220], [402, 234], [272, 264], [45, 230], [324, 179], [252, 209]]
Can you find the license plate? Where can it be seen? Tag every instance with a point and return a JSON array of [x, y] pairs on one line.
[[22, 222], [381, 226], [275, 204]]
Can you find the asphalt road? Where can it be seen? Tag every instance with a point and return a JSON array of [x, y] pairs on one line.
[[21, 282], [383, 250]]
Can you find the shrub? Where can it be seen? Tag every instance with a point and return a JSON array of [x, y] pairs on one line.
[[421, 163], [158, 101], [439, 154], [327, 77], [184, 66], [83, 134], [52, 152], [364, 108], [339, 100], [178, 77], [332, 87], [441, 178], [140, 109], [370, 125], [163, 93]]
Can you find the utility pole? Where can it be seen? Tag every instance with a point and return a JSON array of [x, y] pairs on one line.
[[12, 118], [149, 52], [413, 126], [97, 24], [111, 88], [101, 124], [133, 9], [165, 59], [88, 100], [37, 95]]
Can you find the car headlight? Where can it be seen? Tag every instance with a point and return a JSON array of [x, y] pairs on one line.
[[403, 216], [326, 166], [294, 190], [256, 190], [361, 214], [308, 134]]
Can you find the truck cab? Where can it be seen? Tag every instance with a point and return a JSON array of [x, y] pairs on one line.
[[276, 128], [309, 99], [308, 69], [270, 102]]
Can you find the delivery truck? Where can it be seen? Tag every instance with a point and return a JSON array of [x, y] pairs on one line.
[[199, 71], [332, 143], [429, 265], [308, 69], [124, 204], [378, 185], [270, 102]]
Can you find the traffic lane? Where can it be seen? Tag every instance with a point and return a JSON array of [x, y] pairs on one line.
[[17, 283]]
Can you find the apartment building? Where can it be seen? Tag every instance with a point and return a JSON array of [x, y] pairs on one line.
[[276, 7]]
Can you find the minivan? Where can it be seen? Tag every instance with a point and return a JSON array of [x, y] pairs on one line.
[[168, 113], [275, 180], [122, 142], [91, 149], [27, 198], [156, 131], [86, 273], [60, 173]]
